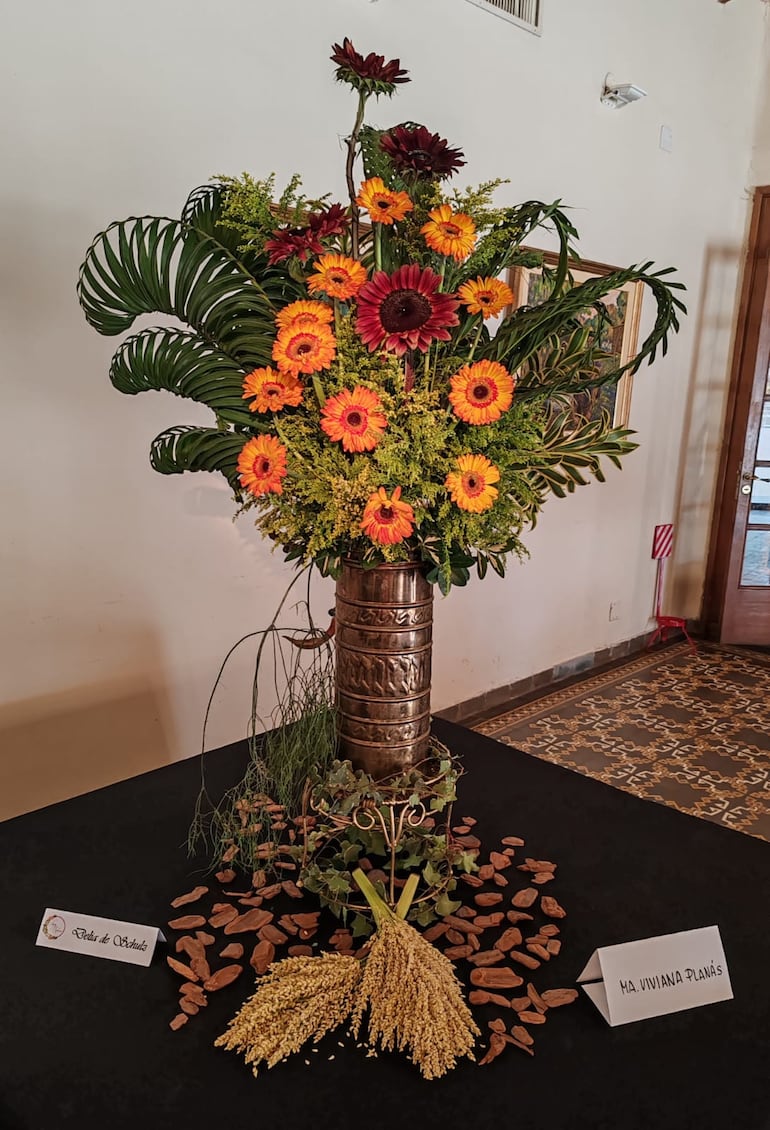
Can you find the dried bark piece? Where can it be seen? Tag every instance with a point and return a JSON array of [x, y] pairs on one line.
[[272, 934], [522, 1035], [470, 820], [539, 951], [189, 945], [288, 925], [194, 993], [541, 877], [486, 872], [489, 921], [206, 939], [497, 1025], [524, 899], [491, 899], [251, 900], [536, 939], [231, 853], [499, 880], [306, 935], [271, 891], [233, 950], [473, 942], [555, 998], [463, 925], [200, 966], [521, 1004], [496, 979], [519, 1044], [497, 1044], [524, 959], [499, 861], [515, 916], [223, 917], [220, 906], [262, 956], [487, 957], [481, 996], [258, 879], [532, 1017], [460, 831], [435, 932], [509, 851], [300, 951], [454, 953], [187, 922], [508, 939], [455, 937], [550, 930], [179, 1020], [183, 970], [465, 912], [223, 977], [553, 945], [306, 921], [538, 1001], [225, 876], [512, 841], [468, 842], [290, 888], [191, 896], [551, 908], [251, 920], [189, 1006], [472, 880]]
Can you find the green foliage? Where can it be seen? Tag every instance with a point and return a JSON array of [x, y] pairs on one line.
[[250, 207]]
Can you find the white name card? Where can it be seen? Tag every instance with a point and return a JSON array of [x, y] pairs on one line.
[[655, 976], [99, 937]]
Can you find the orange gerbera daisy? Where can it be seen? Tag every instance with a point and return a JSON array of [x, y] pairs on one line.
[[262, 465], [487, 297], [354, 419], [272, 390], [471, 484], [481, 392], [450, 233], [387, 520], [304, 349], [338, 276], [304, 314], [383, 205]]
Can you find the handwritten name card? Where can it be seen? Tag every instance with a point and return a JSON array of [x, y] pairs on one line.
[[99, 937], [656, 976]]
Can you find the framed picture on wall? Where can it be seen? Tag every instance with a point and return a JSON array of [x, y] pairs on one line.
[[619, 333]]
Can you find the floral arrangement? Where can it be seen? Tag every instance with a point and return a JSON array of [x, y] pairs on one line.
[[374, 394]]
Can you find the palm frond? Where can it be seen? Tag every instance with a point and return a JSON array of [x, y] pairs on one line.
[[186, 448], [568, 453]]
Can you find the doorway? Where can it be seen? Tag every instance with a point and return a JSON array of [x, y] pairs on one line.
[[737, 598]]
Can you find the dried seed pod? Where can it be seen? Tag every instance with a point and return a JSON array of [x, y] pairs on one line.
[[496, 979], [179, 1020], [486, 957], [551, 908], [233, 950], [187, 922], [524, 899], [524, 959], [251, 920], [555, 998], [183, 970], [224, 976], [497, 1044], [499, 861], [491, 899], [508, 939], [532, 1017], [191, 896], [225, 876]]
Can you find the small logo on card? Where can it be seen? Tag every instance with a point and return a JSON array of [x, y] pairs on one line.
[[54, 926]]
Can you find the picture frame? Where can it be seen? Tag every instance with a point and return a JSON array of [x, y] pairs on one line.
[[624, 305]]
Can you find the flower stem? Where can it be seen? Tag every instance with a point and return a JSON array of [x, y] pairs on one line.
[[477, 338], [351, 158], [377, 247]]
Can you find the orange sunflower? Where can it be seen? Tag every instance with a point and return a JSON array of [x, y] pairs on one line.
[[262, 465], [272, 390], [338, 276], [383, 205], [387, 520], [450, 233], [471, 484], [481, 392], [487, 297], [304, 349], [354, 419], [304, 314]]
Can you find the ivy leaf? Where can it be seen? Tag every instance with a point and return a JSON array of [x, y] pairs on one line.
[[445, 906]]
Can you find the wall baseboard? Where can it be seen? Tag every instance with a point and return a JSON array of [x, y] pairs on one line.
[[486, 704]]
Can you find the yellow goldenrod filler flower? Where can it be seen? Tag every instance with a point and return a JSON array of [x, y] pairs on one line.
[[471, 484], [481, 392], [383, 204], [487, 297], [304, 313], [271, 391], [450, 233], [338, 276], [300, 999]]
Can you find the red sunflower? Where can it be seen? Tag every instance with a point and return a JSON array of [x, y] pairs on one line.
[[416, 152], [371, 75], [404, 310]]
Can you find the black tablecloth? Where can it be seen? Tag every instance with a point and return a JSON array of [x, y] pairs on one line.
[[84, 1043]]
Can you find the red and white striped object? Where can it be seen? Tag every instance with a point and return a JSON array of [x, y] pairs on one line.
[[663, 541]]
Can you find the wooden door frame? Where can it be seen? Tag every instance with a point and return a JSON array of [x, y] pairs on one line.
[[739, 396]]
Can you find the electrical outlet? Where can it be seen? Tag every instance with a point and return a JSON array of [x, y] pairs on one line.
[[615, 610], [667, 139]]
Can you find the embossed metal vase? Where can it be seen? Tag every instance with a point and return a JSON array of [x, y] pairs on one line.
[[384, 630]]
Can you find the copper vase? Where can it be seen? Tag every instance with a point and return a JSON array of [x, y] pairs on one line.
[[384, 619]]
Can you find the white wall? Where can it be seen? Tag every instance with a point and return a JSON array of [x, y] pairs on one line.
[[122, 589]]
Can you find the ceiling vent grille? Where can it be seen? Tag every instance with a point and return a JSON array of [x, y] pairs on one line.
[[524, 13]]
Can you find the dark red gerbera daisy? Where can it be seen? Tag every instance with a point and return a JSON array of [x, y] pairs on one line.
[[302, 242], [328, 222], [370, 75], [404, 310], [415, 151]]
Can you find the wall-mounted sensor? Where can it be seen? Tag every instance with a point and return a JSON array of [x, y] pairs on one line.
[[618, 94]]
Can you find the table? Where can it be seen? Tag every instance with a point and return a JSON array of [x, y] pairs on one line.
[[84, 1043]]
